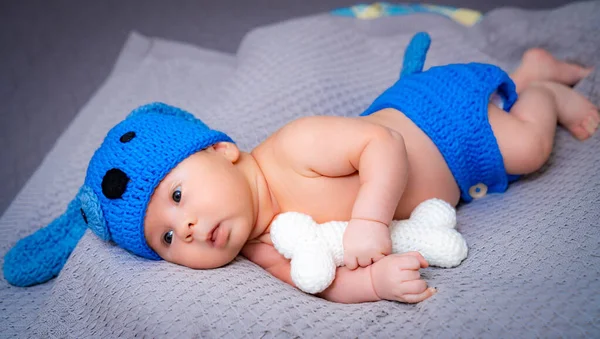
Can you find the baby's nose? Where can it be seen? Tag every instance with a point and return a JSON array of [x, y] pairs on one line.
[[185, 229], [189, 220]]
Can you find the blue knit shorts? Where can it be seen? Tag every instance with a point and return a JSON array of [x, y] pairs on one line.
[[450, 104]]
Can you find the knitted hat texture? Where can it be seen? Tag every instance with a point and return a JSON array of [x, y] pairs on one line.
[[134, 157]]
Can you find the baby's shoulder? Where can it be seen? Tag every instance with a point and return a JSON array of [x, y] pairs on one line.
[[289, 142], [302, 133], [305, 127]]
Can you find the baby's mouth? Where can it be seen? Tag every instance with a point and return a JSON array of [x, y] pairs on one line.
[[214, 233], [219, 236]]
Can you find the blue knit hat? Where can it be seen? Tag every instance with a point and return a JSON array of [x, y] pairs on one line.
[[121, 177]]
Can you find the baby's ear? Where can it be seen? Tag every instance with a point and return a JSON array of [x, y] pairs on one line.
[[228, 149]]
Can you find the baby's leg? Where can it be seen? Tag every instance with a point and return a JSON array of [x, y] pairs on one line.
[[539, 65], [526, 135]]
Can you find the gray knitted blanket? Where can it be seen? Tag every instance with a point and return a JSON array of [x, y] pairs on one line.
[[533, 268]]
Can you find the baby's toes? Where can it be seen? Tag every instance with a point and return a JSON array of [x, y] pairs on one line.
[[586, 127], [591, 122]]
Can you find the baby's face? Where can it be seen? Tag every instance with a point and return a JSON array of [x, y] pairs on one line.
[[201, 213]]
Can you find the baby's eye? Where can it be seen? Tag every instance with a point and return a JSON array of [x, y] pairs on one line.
[[176, 194], [168, 237]]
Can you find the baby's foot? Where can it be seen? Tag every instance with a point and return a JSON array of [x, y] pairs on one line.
[[575, 112], [586, 127], [539, 65]]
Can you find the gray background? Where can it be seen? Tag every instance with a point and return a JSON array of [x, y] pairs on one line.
[[55, 54]]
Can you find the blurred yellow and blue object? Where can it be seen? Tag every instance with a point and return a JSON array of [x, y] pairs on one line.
[[463, 16]]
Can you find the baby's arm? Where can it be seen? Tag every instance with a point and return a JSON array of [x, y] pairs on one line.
[[395, 277], [348, 286], [338, 146]]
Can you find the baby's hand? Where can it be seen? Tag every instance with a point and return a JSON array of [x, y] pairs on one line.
[[397, 277], [365, 242]]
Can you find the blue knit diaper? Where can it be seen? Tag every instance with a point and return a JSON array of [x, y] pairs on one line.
[[450, 104]]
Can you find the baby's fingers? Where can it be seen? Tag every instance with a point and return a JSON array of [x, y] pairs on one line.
[[378, 257], [350, 261], [409, 275], [365, 261], [409, 262], [421, 260], [415, 298], [414, 287]]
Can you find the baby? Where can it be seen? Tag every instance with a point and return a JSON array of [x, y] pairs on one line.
[[164, 185]]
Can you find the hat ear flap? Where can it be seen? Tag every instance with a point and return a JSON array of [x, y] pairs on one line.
[[40, 256]]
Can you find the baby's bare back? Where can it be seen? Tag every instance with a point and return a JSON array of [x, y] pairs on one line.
[[332, 198]]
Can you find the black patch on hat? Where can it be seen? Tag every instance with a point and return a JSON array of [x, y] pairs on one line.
[[127, 137], [114, 183]]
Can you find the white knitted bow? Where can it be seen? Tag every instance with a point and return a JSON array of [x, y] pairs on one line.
[[316, 250]]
